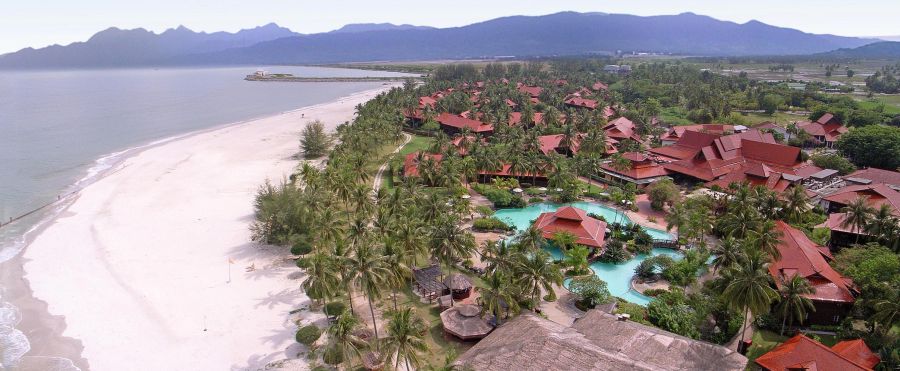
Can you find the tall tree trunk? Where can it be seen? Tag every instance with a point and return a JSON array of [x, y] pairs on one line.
[[783, 320], [744, 329], [350, 296], [374, 324]]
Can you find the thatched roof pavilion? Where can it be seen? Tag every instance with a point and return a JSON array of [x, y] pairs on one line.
[[597, 341], [466, 322], [428, 283], [460, 285]]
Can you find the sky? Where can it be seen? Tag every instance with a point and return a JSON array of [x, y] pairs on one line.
[[38, 23]]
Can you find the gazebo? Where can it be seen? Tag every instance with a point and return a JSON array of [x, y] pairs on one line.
[[427, 283], [460, 286], [466, 322]]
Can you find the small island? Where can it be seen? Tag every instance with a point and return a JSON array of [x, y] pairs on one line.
[[286, 77]]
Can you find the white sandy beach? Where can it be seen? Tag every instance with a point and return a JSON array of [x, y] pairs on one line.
[[138, 264]]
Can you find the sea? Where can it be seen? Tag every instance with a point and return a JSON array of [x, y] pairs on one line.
[[61, 130]]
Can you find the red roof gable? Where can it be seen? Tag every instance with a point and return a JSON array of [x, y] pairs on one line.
[[857, 351], [803, 353], [677, 132], [411, 162], [877, 176], [587, 230], [533, 91], [581, 102], [621, 128], [876, 194], [460, 123], [799, 255], [549, 143], [598, 86]]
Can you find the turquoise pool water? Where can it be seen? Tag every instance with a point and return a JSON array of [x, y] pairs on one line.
[[522, 218], [617, 276]]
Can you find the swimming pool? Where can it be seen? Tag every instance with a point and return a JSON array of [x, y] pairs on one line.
[[617, 276], [522, 218]]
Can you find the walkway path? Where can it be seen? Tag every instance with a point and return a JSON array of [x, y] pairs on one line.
[[376, 185]]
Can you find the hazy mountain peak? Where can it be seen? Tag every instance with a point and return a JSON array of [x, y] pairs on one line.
[[369, 27]]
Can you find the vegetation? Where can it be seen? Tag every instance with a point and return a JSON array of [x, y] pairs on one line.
[[590, 290], [307, 335], [662, 193], [831, 161], [872, 146], [490, 224], [314, 141]]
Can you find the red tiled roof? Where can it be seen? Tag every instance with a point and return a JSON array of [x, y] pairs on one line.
[[756, 174], [621, 128], [687, 146], [835, 222], [770, 153], [825, 126], [427, 102], [411, 163], [857, 351], [877, 195], [598, 86], [581, 102], [504, 171], [803, 353], [799, 255], [677, 132], [515, 118], [587, 230], [827, 118], [877, 176], [460, 123], [533, 91], [549, 143]]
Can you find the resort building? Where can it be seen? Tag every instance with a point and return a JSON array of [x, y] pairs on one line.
[[588, 231], [677, 132], [531, 91], [455, 124], [578, 102], [876, 194], [620, 129], [642, 170], [803, 353], [515, 118], [687, 146], [599, 86], [825, 131], [597, 341], [555, 143], [412, 161], [874, 175], [833, 294], [466, 322]]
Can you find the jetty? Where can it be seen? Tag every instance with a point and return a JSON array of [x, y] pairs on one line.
[[284, 77]]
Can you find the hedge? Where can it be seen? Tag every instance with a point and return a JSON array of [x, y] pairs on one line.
[[307, 335]]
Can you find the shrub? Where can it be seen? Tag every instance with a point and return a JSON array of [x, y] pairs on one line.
[[490, 224], [302, 263], [591, 290], [431, 126], [614, 253], [662, 193], [646, 269], [636, 312], [836, 162], [535, 200], [334, 355], [533, 191], [642, 238], [307, 335], [335, 308], [301, 246], [314, 141], [655, 292], [484, 211], [597, 216]]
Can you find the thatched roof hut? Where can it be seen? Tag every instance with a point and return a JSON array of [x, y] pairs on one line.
[[466, 322], [460, 285], [364, 333], [428, 283], [598, 341]]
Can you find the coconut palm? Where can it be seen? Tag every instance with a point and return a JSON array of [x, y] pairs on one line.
[[532, 239], [766, 238], [405, 339], [370, 272], [498, 256], [883, 225], [794, 304], [497, 296], [887, 313], [535, 272], [677, 219], [748, 287], [796, 203], [341, 334], [450, 242], [400, 271], [857, 214], [409, 237], [728, 253], [321, 276]]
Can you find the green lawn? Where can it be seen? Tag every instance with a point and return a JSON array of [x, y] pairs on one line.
[[763, 341], [891, 103], [778, 117], [417, 143]]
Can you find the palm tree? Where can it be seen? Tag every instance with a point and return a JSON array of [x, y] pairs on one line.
[[766, 238], [450, 242], [341, 335], [535, 273], [468, 170], [321, 277], [497, 295], [748, 287], [857, 214], [576, 258], [883, 225], [728, 254], [677, 218], [796, 203], [887, 313], [370, 272], [405, 339], [619, 163], [499, 257], [532, 239], [794, 303], [408, 235], [400, 271]]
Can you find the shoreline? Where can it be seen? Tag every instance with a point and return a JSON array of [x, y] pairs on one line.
[[49, 332]]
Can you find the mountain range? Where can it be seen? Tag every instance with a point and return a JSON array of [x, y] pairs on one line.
[[559, 34], [878, 50]]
